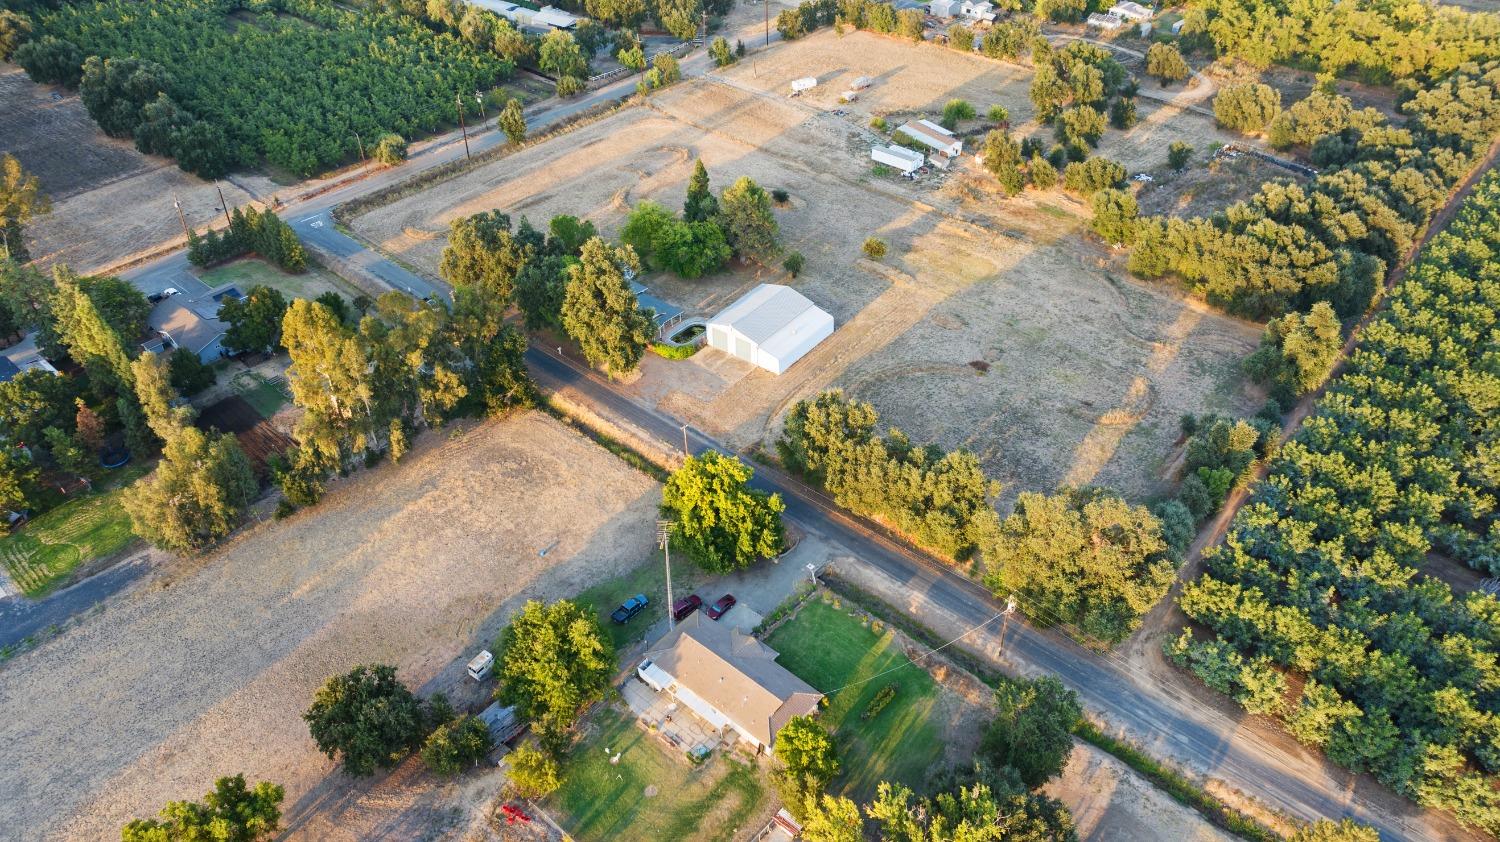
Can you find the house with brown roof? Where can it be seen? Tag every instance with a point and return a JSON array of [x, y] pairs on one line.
[[729, 679]]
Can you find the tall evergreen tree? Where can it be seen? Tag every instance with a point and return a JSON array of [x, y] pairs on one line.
[[701, 206], [600, 312]]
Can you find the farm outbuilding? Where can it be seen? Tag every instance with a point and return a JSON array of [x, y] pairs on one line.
[[934, 137], [1130, 10], [771, 326], [903, 159], [944, 8]]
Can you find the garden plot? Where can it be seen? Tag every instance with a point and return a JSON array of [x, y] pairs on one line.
[[1088, 370], [206, 670]]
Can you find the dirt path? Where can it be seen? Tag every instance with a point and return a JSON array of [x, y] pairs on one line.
[[1144, 647]]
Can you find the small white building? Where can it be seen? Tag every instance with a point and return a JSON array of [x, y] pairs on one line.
[[978, 10], [860, 83], [945, 8], [1177, 26], [1129, 10], [903, 159], [933, 136], [771, 326], [806, 83], [556, 18], [1106, 22]]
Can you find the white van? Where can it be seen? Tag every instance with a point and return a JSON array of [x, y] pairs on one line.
[[479, 668]]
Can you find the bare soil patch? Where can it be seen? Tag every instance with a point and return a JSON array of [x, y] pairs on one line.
[[205, 670], [1206, 186], [1110, 802], [1088, 370]]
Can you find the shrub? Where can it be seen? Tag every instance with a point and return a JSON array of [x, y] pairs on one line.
[[453, 746], [1247, 107], [878, 124], [793, 263], [955, 111], [879, 701], [960, 38], [1178, 155], [1122, 113], [779, 196], [1089, 177], [673, 352], [390, 149], [998, 114], [874, 248], [534, 773]]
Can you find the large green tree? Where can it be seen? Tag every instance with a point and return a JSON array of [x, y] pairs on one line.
[[254, 321], [808, 761], [197, 495], [21, 199], [554, 660], [34, 400], [600, 312], [745, 215], [969, 814], [722, 523], [1247, 107], [232, 812], [482, 251], [701, 206], [457, 745], [1298, 350], [366, 718], [116, 91], [1082, 556], [1032, 731]]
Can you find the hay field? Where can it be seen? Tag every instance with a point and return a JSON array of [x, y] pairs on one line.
[[206, 670], [1088, 369], [108, 200]]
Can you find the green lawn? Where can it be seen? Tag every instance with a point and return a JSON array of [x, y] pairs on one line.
[[829, 649], [248, 272], [599, 800], [42, 554], [650, 579]]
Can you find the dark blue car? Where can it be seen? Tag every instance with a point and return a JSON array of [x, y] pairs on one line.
[[629, 609]]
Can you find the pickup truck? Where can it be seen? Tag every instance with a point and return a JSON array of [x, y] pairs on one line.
[[629, 608]]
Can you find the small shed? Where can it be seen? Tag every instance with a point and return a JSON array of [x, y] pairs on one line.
[[1129, 10], [933, 136], [771, 326], [504, 724], [1177, 26], [978, 10], [945, 8], [861, 83], [806, 83], [903, 159]]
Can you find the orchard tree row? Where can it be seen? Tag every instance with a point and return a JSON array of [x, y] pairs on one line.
[[221, 84], [1317, 611]]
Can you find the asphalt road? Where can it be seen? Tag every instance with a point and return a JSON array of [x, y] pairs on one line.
[[1302, 785]]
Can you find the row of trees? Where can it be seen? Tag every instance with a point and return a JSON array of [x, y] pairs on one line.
[[1083, 557], [1292, 245], [250, 231], [1316, 587], [710, 230], [299, 84]]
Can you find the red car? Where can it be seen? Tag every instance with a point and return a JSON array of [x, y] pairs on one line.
[[718, 609], [685, 606]]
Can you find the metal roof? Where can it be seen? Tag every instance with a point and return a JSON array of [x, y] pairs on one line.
[[764, 311]]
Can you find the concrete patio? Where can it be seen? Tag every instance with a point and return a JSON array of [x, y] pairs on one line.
[[676, 725]]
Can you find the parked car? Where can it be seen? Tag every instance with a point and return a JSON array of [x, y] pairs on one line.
[[686, 606], [629, 608], [722, 606], [161, 296]]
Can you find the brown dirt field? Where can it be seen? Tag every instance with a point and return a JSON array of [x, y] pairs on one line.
[[205, 670], [1111, 803], [1089, 370]]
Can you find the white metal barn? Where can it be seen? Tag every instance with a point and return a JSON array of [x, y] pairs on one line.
[[771, 326], [903, 159]]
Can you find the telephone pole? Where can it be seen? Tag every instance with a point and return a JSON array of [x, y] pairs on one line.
[[482, 116], [361, 141], [767, 4], [223, 205], [685, 453], [458, 101], [664, 540], [180, 218], [1010, 608]]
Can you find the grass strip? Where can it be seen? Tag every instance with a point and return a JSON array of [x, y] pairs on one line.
[[1165, 778], [630, 455]]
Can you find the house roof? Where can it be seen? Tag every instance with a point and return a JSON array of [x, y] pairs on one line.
[[554, 17], [8, 370], [737, 674], [902, 152], [772, 316]]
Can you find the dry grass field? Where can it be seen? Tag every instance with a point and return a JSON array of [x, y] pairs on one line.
[[1088, 370], [206, 670], [108, 200]]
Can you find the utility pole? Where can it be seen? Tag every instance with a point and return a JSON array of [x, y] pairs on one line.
[[180, 218], [1010, 608], [767, 4], [223, 205], [458, 100], [361, 142], [664, 540], [685, 453]]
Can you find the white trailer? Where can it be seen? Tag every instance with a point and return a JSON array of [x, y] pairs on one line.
[[905, 160], [806, 83]]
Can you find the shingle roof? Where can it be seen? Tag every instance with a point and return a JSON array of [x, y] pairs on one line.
[[737, 674]]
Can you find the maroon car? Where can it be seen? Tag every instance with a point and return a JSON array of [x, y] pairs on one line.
[[685, 606], [723, 604]]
